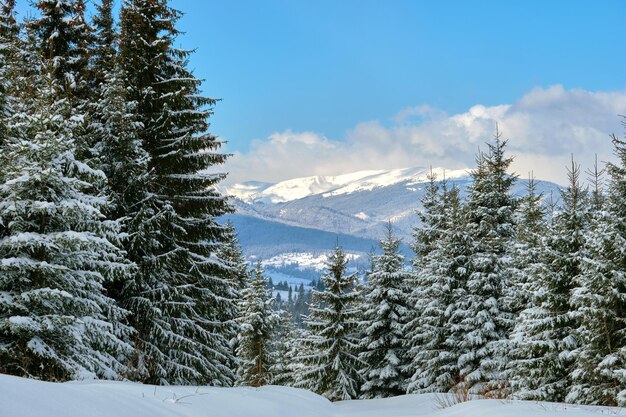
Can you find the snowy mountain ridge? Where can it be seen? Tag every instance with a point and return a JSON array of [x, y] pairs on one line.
[[308, 216], [297, 188]]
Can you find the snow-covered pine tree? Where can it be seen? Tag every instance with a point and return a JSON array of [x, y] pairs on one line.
[[64, 40], [491, 230], [599, 299], [385, 310], [331, 363], [531, 228], [125, 163], [83, 38], [440, 301], [545, 334], [257, 325], [284, 357], [238, 275], [114, 128], [183, 290], [103, 53], [56, 323], [101, 72], [9, 32], [426, 238], [232, 254], [63, 35]]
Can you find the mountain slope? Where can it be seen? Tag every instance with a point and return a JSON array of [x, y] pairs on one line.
[[357, 204]]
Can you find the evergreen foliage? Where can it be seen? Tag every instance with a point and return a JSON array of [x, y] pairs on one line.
[[56, 323], [385, 311], [238, 276], [9, 65], [545, 334], [531, 227], [256, 335], [285, 368], [331, 363], [491, 230], [113, 264], [182, 292], [439, 300], [599, 298]]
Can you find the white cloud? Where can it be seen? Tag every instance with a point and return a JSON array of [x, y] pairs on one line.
[[544, 127]]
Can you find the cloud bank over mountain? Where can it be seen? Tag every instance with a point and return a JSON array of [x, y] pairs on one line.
[[544, 128]]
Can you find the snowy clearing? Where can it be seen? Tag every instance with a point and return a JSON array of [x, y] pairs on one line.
[[22, 397]]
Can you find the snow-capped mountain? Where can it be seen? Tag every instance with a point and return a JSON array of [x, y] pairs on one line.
[[327, 186], [312, 214]]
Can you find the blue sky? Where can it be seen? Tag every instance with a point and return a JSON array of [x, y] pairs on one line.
[[327, 65], [346, 75]]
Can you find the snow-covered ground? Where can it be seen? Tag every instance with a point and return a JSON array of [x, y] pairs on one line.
[[21, 397]]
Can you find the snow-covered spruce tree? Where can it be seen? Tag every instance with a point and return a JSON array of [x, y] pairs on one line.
[[599, 299], [125, 163], [238, 275], [114, 128], [545, 334], [232, 254], [103, 79], [385, 308], [285, 352], [531, 227], [56, 323], [440, 302], [64, 36], [426, 238], [9, 45], [331, 363], [183, 298], [490, 227], [103, 48], [257, 325]]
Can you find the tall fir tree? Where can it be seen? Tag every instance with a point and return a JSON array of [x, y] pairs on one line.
[[103, 48], [183, 289], [102, 77], [238, 275], [9, 65], [64, 37], [439, 300], [286, 350], [599, 299], [385, 311], [331, 363], [56, 322], [258, 323], [545, 335], [531, 227], [490, 226], [426, 238]]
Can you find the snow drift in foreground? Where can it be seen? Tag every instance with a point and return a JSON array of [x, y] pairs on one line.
[[20, 397]]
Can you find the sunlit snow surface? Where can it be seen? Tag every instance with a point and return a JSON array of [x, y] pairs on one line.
[[21, 397]]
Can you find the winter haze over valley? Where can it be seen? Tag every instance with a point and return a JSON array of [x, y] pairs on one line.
[[280, 208]]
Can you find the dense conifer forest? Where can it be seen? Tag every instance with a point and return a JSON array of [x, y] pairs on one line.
[[115, 264]]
